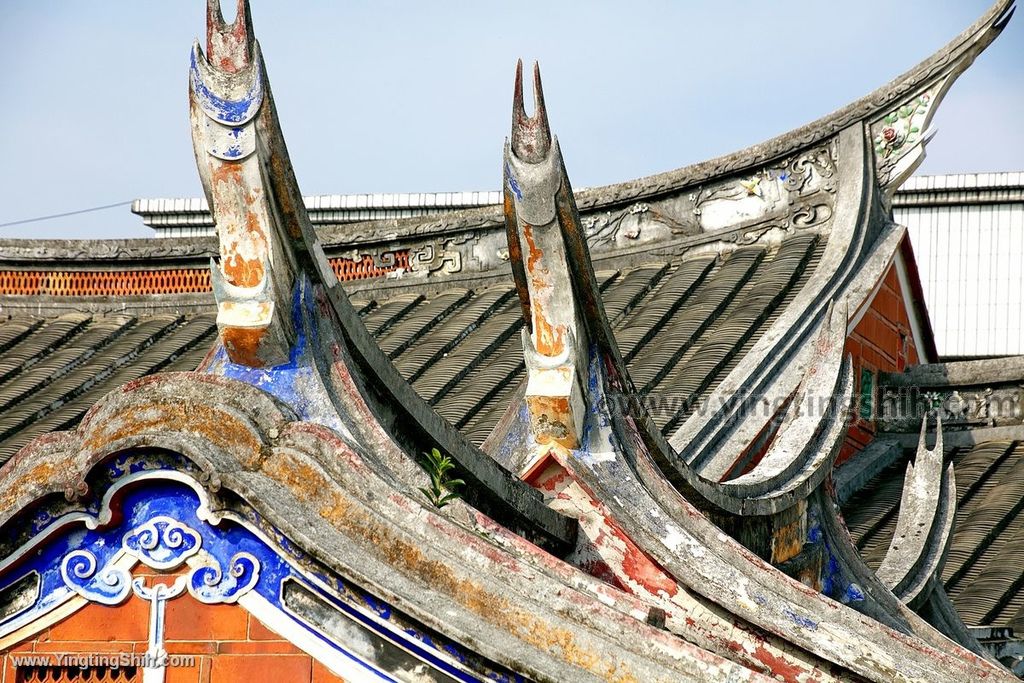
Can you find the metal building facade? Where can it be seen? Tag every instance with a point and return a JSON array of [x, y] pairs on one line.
[[967, 231]]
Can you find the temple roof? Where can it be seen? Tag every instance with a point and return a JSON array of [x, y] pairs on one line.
[[935, 74], [984, 440], [579, 436], [983, 569], [459, 348]]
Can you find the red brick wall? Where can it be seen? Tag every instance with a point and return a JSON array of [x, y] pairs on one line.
[[230, 645], [881, 342]]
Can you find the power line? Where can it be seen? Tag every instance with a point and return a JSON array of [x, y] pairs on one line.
[[62, 215]]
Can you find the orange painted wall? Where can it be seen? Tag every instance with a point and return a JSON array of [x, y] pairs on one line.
[[231, 645], [881, 342]]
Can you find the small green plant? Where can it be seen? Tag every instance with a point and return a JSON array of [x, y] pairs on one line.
[[443, 489]]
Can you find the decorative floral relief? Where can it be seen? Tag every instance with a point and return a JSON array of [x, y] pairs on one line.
[[902, 128], [739, 201], [899, 133]]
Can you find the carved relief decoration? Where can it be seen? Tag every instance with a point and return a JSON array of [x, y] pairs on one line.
[[898, 137], [959, 408], [793, 194]]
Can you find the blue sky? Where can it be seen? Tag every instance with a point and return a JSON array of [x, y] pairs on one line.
[[389, 97]]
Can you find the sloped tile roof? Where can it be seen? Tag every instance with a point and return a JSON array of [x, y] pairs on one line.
[[682, 323], [53, 370], [984, 568]]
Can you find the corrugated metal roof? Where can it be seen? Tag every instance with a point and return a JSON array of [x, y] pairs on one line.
[[190, 217], [962, 180], [968, 236], [426, 200], [387, 200]]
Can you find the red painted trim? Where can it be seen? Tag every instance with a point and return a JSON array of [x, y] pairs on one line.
[[70, 283], [929, 353]]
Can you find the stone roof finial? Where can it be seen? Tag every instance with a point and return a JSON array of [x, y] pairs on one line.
[[229, 46], [252, 280], [538, 211]]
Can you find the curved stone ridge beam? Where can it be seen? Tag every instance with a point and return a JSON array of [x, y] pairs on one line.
[[286, 324], [848, 579], [801, 452], [925, 523], [564, 317], [542, 426], [253, 279], [900, 134], [553, 343], [861, 244], [615, 467], [912, 567], [952, 59], [340, 523], [870, 110], [680, 539]]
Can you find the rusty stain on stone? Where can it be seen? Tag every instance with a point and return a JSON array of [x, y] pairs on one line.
[[548, 337], [243, 344], [217, 426], [243, 247]]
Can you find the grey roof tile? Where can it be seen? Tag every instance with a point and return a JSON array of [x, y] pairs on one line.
[[680, 321]]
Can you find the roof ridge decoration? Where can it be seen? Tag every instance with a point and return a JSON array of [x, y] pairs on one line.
[[976, 400], [285, 323], [609, 559], [570, 351], [538, 218], [252, 281], [248, 462], [564, 316], [943, 66], [914, 557], [863, 239], [913, 564], [937, 73], [603, 469]]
